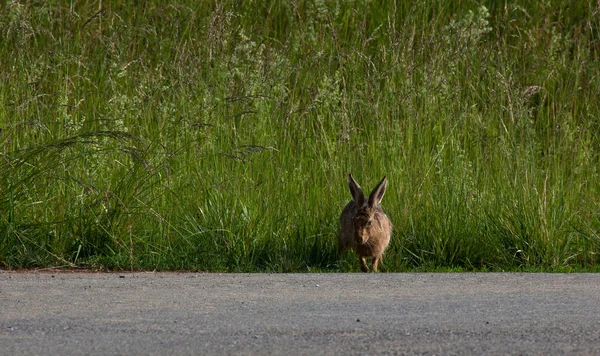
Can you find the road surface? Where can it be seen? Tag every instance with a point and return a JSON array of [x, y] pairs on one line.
[[58, 313]]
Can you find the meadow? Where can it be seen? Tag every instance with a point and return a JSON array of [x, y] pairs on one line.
[[217, 135]]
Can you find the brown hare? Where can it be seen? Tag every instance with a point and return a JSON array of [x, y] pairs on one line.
[[364, 226]]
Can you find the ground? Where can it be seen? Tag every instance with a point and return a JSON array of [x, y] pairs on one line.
[[196, 313]]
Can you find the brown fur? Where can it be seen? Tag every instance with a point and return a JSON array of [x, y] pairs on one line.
[[364, 227]]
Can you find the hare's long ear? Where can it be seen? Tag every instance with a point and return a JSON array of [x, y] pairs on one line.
[[357, 194], [377, 193]]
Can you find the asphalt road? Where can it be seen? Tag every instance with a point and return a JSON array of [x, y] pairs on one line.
[[306, 314]]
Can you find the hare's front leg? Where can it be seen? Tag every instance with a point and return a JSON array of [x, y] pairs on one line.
[[376, 262], [363, 264]]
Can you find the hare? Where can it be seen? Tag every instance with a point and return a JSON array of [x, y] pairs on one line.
[[363, 225]]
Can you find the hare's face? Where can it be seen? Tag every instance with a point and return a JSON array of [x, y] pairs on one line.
[[362, 226]]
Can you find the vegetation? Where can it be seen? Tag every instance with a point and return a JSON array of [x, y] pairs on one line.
[[217, 135]]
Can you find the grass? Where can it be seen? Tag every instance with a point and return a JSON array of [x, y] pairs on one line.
[[217, 135]]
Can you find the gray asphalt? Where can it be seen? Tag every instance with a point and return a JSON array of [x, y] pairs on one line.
[[57, 313]]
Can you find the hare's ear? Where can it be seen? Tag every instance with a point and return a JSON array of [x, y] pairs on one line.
[[357, 194], [377, 193]]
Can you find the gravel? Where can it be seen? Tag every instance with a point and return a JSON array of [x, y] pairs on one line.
[[298, 314]]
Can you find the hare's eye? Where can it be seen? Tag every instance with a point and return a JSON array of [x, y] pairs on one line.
[[369, 222]]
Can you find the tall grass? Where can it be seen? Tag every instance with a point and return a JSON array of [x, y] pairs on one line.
[[217, 135]]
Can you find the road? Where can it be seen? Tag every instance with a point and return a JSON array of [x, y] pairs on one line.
[[58, 313]]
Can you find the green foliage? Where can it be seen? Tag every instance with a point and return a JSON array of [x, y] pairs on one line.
[[217, 135]]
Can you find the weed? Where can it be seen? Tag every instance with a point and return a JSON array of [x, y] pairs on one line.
[[216, 135]]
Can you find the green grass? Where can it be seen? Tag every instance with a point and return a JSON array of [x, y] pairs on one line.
[[217, 135]]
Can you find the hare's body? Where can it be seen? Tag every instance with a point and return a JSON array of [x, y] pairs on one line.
[[379, 234], [364, 227]]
